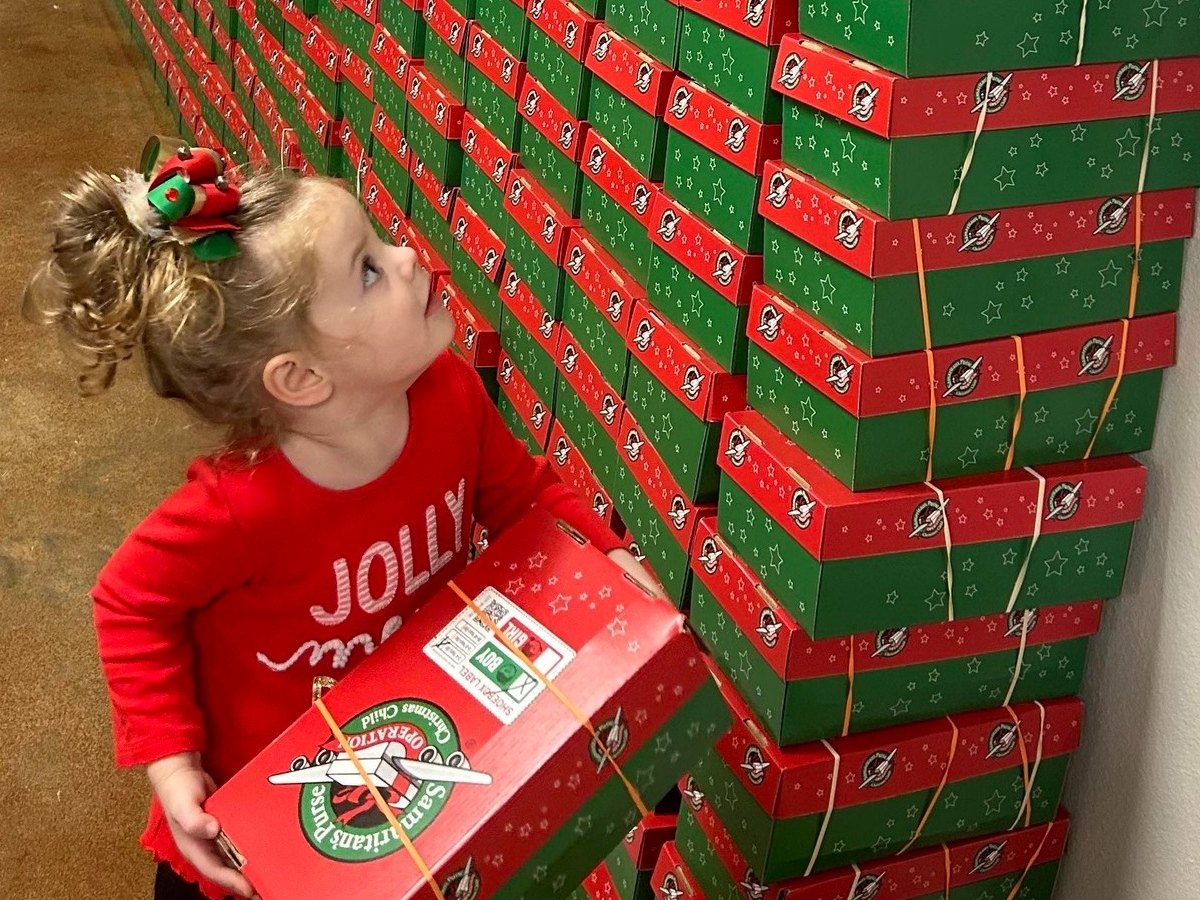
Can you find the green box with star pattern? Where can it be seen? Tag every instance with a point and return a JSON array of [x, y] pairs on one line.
[[717, 326], [563, 74], [937, 37], [476, 285], [542, 273], [899, 788], [557, 172], [493, 107], [871, 422], [843, 562], [985, 275], [641, 135], [656, 26], [900, 146], [680, 395], [617, 230], [735, 67], [804, 690], [404, 22], [529, 335], [626, 872], [1022, 863], [507, 23], [432, 224]]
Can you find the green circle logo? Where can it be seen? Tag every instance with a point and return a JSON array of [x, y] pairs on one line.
[[409, 750]]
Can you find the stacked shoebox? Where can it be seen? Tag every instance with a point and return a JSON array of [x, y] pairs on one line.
[[930, 497]]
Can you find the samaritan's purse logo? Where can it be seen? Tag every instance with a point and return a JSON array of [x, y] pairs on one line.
[[410, 751]]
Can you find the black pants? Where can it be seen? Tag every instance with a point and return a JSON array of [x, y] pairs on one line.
[[170, 886]]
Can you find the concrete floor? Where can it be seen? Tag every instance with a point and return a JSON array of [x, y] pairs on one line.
[[75, 474]]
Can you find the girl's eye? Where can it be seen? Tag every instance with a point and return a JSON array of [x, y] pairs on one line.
[[370, 273]]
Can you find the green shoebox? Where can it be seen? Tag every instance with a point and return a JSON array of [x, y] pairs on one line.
[[434, 127], [934, 37], [494, 78], [349, 28], [844, 562], [1022, 863], [487, 163], [590, 435], [717, 326], [733, 66], [507, 23], [681, 396], [858, 273], [271, 17], [538, 259], [357, 108], [656, 26], [907, 177], [805, 690], [525, 413], [627, 871], [530, 357], [630, 95], [444, 46], [908, 787], [404, 22], [391, 158], [717, 191], [555, 170], [481, 192], [390, 84], [477, 287], [861, 418], [617, 206], [432, 225], [665, 520], [320, 63], [560, 69], [599, 305]]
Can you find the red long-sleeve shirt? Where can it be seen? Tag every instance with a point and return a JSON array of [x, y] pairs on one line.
[[219, 610]]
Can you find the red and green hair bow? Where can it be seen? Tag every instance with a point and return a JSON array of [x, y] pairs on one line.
[[188, 188]]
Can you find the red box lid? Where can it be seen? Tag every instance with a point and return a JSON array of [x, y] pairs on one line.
[[871, 386], [488, 152], [358, 72], [876, 246], [620, 180], [891, 105], [722, 265], [389, 136], [478, 341], [293, 15], [911, 876], [448, 23], [434, 103], [645, 840], [364, 9], [538, 215], [481, 244], [891, 762], [577, 368], [492, 58], [441, 196], [672, 879], [391, 57], [639, 77], [322, 48], [575, 472], [318, 119], [610, 288], [721, 127], [794, 656], [532, 409], [529, 311], [696, 380], [551, 119], [355, 152], [410, 690], [837, 523], [383, 206], [670, 500], [763, 21], [566, 24]]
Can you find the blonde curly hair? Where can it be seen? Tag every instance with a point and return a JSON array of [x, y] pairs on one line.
[[115, 283]]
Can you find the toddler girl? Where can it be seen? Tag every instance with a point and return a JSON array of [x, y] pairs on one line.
[[360, 451]]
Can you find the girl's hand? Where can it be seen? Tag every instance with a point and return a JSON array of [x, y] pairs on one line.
[[182, 787], [640, 573]]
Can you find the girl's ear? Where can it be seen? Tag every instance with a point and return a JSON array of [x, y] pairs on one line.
[[296, 379]]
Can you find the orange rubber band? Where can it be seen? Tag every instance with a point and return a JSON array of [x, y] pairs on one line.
[[379, 801], [1024, 766], [916, 226], [849, 692], [946, 857], [1029, 865], [642, 809], [941, 787], [1012, 444]]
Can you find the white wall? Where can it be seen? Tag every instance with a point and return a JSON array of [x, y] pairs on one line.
[[1134, 789]]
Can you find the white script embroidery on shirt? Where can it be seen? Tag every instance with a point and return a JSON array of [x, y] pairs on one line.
[[358, 589]]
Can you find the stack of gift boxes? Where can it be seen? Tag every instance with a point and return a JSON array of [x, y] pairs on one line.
[[967, 304], [846, 313]]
